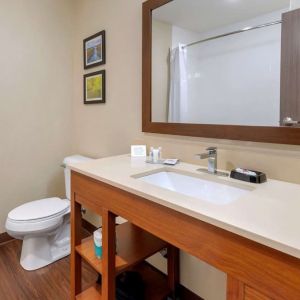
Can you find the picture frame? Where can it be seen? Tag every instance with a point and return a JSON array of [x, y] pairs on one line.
[[94, 50], [94, 87]]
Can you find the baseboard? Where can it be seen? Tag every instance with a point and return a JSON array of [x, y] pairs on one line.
[[5, 237], [184, 293]]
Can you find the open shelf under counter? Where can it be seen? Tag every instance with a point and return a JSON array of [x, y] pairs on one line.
[[156, 282], [156, 285], [133, 246], [92, 293]]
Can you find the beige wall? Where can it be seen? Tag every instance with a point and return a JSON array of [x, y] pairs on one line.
[[280, 162], [35, 99], [109, 129], [35, 109]]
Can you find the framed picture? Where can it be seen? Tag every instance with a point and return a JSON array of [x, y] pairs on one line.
[[94, 87], [94, 50]]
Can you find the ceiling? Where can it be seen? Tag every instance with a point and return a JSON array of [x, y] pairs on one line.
[[204, 15]]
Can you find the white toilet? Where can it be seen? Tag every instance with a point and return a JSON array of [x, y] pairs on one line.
[[44, 226]]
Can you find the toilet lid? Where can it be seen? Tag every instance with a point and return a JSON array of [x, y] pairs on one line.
[[39, 209]]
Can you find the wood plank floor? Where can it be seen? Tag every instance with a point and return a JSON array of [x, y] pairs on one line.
[[52, 282], [49, 283]]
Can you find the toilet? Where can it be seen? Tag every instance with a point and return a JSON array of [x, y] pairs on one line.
[[44, 225]]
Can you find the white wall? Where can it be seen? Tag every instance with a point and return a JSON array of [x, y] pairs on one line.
[[161, 45], [235, 79], [238, 75], [35, 93], [295, 4]]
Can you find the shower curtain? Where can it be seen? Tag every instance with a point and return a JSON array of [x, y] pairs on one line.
[[178, 85]]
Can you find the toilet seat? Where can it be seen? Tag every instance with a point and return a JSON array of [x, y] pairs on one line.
[[37, 216], [39, 210]]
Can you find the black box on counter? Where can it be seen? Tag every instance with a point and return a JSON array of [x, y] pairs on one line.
[[248, 175]]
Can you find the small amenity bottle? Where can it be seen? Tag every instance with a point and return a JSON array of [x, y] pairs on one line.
[[98, 243], [156, 155]]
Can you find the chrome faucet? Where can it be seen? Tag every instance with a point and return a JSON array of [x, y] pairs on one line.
[[212, 157]]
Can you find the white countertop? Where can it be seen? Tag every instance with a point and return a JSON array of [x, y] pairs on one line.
[[270, 214]]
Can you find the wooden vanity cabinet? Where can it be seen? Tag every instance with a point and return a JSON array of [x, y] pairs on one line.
[[255, 272], [237, 290], [134, 245]]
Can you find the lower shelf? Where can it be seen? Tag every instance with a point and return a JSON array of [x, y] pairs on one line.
[[134, 245], [92, 293], [156, 285]]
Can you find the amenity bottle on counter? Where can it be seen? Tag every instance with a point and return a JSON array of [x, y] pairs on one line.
[[155, 155], [98, 243]]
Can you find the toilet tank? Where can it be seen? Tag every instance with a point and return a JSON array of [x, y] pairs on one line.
[[67, 161]]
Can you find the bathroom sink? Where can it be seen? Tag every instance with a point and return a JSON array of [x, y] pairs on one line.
[[204, 187]]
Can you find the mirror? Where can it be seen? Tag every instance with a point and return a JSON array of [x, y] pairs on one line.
[[219, 62]]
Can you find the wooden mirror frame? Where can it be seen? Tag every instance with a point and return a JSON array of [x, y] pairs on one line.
[[290, 87]]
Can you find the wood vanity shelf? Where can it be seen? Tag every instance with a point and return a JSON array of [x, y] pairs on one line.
[[134, 245], [254, 271]]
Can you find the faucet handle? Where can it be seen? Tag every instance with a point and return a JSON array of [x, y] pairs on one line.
[[212, 150]]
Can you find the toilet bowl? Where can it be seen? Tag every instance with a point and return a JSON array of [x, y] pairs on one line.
[[44, 226]]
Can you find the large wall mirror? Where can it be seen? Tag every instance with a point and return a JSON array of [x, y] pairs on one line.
[[222, 68]]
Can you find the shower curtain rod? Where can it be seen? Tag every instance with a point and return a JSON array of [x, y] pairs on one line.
[[233, 32]]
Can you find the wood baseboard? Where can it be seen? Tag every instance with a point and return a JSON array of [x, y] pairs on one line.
[[184, 293], [5, 237]]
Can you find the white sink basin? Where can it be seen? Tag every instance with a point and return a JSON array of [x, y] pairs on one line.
[[204, 187]]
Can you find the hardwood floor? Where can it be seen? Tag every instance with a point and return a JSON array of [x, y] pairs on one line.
[[53, 282], [49, 283]]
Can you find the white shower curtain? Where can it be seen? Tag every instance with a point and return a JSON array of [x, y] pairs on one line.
[[178, 85]]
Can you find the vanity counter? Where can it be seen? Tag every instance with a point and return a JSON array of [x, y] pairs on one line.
[[268, 214]]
